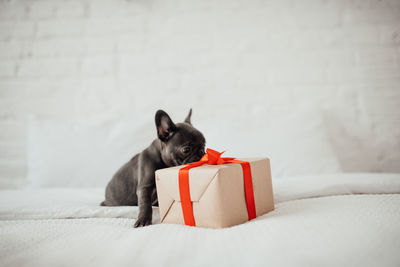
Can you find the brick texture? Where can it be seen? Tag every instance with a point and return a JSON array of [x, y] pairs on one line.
[[80, 58]]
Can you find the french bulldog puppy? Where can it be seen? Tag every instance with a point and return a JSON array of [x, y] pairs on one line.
[[134, 182]]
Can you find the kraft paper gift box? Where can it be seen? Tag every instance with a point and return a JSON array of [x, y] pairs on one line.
[[217, 193]]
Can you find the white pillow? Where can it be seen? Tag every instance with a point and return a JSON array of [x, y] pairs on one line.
[[296, 144], [85, 153]]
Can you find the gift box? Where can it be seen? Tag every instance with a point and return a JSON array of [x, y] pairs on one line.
[[215, 192]]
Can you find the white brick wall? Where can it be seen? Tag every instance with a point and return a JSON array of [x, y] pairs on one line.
[[251, 57]]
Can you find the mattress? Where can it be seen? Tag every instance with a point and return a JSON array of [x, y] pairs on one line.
[[322, 220]]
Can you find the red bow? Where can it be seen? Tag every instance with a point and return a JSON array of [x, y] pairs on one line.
[[213, 157]]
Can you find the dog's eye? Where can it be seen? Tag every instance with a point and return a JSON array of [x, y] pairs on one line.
[[186, 149]]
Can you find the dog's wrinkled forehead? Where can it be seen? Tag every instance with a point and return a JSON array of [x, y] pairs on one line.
[[188, 133]]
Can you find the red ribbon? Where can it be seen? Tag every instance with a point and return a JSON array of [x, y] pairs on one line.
[[213, 157]]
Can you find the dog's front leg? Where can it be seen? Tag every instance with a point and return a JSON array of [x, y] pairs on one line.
[[144, 201], [144, 190]]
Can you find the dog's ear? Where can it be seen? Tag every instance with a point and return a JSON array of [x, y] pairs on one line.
[[187, 120], [165, 126]]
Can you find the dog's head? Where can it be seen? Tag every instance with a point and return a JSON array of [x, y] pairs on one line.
[[181, 143]]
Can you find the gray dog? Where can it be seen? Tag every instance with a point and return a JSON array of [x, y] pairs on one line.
[[134, 182]]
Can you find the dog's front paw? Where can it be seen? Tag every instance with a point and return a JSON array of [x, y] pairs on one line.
[[142, 221]]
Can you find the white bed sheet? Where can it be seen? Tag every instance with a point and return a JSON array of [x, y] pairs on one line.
[[337, 220]]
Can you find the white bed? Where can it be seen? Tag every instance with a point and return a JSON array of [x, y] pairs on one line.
[[324, 220]]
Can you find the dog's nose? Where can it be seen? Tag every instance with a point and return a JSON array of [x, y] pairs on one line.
[[201, 153], [196, 157]]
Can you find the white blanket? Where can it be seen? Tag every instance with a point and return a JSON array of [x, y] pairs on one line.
[[336, 220]]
